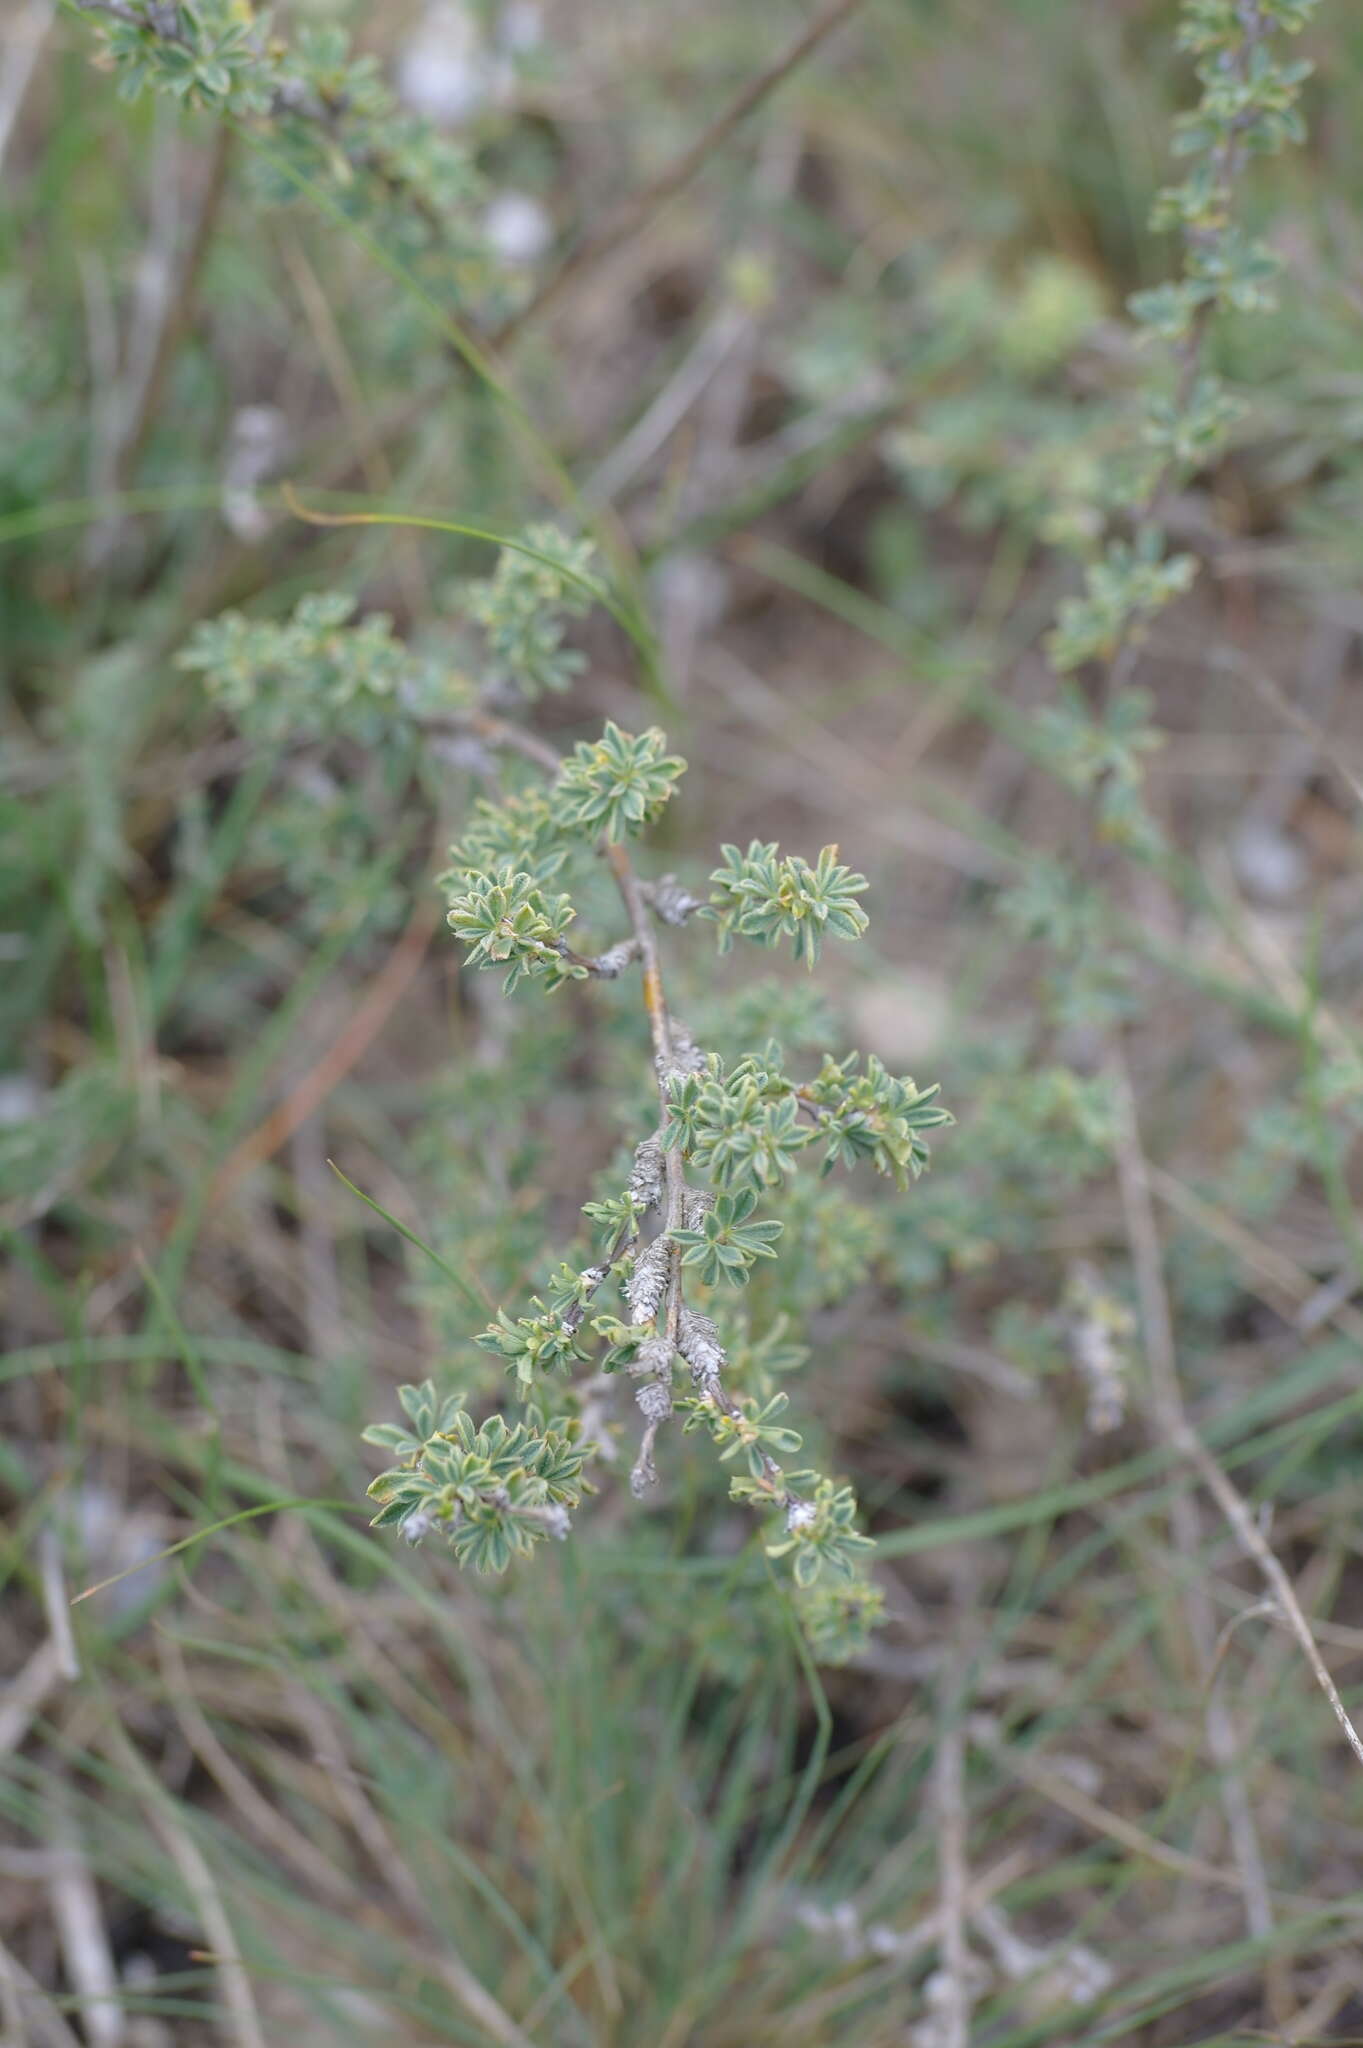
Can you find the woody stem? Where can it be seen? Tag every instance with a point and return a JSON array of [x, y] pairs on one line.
[[660, 1029]]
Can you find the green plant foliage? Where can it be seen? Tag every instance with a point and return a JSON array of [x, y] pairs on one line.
[[819, 1533], [493, 1491], [322, 118], [210, 55], [834, 1245], [1102, 758], [320, 840], [520, 832], [850, 398], [615, 785], [506, 918], [1038, 1136], [324, 674], [1122, 593], [532, 1344], [33, 439], [1188, 435], [523, 606], [1057, 305], [874, 1115], [1051, 905], [839, 1617], [727, 1238], [757, 895], [750, 1430], [743, 1128], [853, 410], [316, 676]]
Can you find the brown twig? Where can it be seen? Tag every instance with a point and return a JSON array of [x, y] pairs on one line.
[[1169, 1415], [502, 734], [363, 1026], [177, 315], [387, 989], [607, 966], [653, 196], [660, 1031], [1172, 1427], [1091, 1813]]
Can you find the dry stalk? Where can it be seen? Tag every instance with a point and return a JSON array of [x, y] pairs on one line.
[[1168, 1412], [653, 196], [26, 36], [173, 316], [242, 2020], [467, 1988], [955, 1999], [31, 2020], [27, 1692], [81, 1932]]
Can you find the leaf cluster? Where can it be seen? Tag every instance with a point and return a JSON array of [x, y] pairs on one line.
[[327, 118], [1123, 591], [493, 1490], [531, 1344], [820, 1532], [743, 1126], [507, 919], [874, 1115], [747, 1429], [498, 901], [520, 832], [315, 676], [1248, 107], [1100, 755], [727, 1239], [523, 608], [839, 1617], [760, 895], [615, 785]]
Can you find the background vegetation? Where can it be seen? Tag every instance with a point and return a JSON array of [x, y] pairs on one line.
[[830, 361]]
